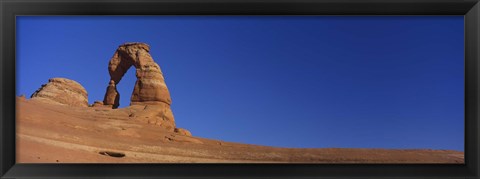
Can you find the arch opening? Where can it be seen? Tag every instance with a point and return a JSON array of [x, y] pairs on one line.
[[125, 87]]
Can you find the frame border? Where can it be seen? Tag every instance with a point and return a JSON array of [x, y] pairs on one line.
[[10, 9]]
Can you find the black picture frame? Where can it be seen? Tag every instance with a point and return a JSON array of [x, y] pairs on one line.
[[11, 8]]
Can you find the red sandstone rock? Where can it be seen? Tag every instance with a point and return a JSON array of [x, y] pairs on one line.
[[150, 91], [112, 97], [50, 133], [150, 85], [97, 104], [181, 131], [63, 91]]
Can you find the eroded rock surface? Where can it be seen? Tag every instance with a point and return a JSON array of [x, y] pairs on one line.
[[158, 114], [112, 97], [150, 85], [97, 104], [150, 93], [150, 100], [182, 131], [63, 91], [50, 133]]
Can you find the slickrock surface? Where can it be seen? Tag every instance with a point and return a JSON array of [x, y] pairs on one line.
[[63, 91], [53, 133]]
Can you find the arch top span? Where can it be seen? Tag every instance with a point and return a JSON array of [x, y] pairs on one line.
[[146, 46]]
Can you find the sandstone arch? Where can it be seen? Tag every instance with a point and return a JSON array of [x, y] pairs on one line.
[[150, 100], [150, 87]]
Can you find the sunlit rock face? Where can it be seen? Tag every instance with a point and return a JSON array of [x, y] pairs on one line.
[[62, 91], [150, 88]]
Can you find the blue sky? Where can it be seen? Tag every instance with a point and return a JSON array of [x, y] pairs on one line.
[[286, 81]]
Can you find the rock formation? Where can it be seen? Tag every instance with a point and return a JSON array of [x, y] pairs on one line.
[[150, 91], [63, 91], [150, 86], [112, 97], [150, 100], [157, 114]]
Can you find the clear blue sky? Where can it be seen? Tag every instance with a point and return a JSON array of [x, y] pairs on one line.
[[304, 81]]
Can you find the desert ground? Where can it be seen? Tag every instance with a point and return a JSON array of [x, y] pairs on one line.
[[48, 132]]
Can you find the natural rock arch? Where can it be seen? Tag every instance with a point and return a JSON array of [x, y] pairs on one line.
[[150, 101], [150, 87]]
